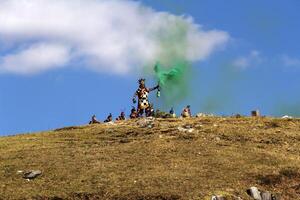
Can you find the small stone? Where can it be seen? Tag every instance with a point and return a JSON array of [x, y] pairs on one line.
[[204, 115], [187, 126], [200, 115], [182, 129], [145, 123], [286, 117], [32, 174], [150, 126], [190, 130], [217, 197], [266, 196], [238, 116], [110, 123], [255, 113], [254, 193]]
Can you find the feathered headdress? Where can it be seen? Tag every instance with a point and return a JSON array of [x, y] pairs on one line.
[[141, 80]]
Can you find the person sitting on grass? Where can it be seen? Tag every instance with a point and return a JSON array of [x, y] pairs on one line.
[[121, 117], [94, 120], [133, 113], [172, 113], [109, 118], [186, 113]]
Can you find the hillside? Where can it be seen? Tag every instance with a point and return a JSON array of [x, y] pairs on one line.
[[161, 159]]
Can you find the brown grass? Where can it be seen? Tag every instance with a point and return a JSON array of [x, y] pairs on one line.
[[130, 161]]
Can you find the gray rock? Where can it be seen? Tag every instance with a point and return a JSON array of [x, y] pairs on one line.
[[269, 196], [217, 197], [254, 193], [266, 196], [32, 174], [183, 129], [146, 123]]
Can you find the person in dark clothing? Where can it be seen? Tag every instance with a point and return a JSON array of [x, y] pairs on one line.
[[150, 111], [94, 120], [121, 117], [133, 113], [109, 118]]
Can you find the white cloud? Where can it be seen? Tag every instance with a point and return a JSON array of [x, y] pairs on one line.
[[290, 62], [247, 61], [36, 58], [116, 36]]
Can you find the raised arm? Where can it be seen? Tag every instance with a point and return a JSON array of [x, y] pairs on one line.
[[154, 88]]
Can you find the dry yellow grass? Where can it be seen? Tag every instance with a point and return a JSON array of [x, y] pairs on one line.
[[128, 161]]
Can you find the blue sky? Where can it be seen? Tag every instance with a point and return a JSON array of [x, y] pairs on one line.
[[257, 68]]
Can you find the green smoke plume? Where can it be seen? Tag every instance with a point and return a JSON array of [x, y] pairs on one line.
[[172, 69], [173, 82], [166, 77]]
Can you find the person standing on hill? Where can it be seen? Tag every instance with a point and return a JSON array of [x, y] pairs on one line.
[[142, 94]]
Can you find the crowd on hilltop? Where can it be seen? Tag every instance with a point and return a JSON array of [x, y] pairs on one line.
[[144, 107], [186, 113]]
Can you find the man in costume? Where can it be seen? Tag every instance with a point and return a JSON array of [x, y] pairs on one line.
[[142, 94]]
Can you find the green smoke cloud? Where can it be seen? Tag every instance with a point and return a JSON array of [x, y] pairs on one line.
[[173, 82], [172, 69], [177, 43]]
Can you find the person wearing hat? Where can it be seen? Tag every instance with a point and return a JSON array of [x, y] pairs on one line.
[[142, 94]]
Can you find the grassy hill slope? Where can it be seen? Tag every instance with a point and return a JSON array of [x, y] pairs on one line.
[[163, 159]]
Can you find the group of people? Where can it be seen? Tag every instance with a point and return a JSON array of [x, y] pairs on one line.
[[108, 119], [143, 106]]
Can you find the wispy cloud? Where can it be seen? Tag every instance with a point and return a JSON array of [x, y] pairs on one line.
[[244, 62], [115, 36], [290, 62]]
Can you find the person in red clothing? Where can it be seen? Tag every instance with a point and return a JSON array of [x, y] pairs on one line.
[[186, 112]]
